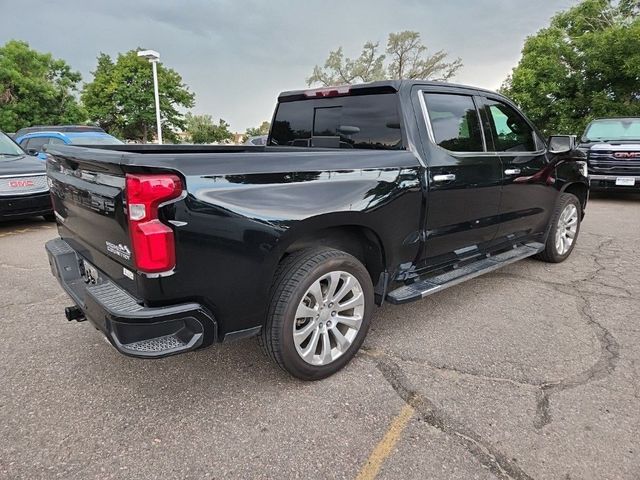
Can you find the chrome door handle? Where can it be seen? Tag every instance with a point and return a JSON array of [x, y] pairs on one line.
[[512, 171], [448, 177]]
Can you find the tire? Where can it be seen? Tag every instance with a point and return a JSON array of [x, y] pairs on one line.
[[302, 285], [555, 249], [49, 217]]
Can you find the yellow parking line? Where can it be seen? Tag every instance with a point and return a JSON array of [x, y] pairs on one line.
[[384, 447]]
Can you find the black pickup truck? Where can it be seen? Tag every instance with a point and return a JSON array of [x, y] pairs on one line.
[[388, 191], [612, 146]]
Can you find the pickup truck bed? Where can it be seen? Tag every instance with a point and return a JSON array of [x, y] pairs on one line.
[[170, 248]]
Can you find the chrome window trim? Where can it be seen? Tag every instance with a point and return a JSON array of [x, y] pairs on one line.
[[485, 153]]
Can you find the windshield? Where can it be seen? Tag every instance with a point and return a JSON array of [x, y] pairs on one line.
[[94, 140], [8, 148], [613, 129]]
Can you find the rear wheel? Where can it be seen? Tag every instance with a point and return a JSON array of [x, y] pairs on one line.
[[565, 228], [321, 304]]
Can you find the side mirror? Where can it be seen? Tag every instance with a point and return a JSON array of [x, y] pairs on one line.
[[33, 152], [562, 143]]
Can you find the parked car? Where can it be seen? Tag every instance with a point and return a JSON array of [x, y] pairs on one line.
[[33, 139], [257, 140], [23, 183], [613, 150], [58, 128], [403, 189]]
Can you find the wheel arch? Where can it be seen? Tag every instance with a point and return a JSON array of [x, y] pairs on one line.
[[357, 239], [580, 190]]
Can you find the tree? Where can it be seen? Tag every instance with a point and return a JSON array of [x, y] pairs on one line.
[[121, 98], [586, 64], [409, 59], [263, 129], [36, 88], [202, 129]]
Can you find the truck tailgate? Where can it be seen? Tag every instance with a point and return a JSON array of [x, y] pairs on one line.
[[88, 200]]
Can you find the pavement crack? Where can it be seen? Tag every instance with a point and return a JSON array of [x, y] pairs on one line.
[[606, 364], [461, 372], [488, 456]]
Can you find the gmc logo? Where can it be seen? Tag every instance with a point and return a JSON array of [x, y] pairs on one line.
[[627, 154], [21, 183]]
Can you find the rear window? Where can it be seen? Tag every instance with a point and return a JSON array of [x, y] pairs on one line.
[[364, 122]]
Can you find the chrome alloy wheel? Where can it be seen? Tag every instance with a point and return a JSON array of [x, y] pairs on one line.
[[328, 318], [566, 229]]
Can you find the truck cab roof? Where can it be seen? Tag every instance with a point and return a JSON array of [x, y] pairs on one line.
[[381, 86]]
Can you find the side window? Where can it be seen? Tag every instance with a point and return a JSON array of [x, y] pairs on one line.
[[36, 143], [56, 141], [455, 122], [510, 131]]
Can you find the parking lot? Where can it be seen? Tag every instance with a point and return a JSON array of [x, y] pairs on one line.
[[530, 372]]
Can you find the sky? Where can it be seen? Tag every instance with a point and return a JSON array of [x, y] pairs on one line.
[[237, 55]]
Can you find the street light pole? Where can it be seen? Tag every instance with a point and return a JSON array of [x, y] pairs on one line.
[[154, 64], [153, 58]]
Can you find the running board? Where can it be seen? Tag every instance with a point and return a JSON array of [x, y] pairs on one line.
[[429, 285]]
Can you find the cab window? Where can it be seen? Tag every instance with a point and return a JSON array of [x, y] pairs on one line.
[[509, 129], [359, 122], [455, 122]]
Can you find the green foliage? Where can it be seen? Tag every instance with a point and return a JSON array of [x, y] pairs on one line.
[[586, 64], [36, 89], [121, 99], [202, 129], [263, 129], [409, 59]]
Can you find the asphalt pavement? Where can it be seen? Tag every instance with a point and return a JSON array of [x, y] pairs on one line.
[[531, 372]]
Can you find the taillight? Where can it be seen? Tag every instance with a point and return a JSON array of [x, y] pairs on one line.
[[151, 240], [328, 92]]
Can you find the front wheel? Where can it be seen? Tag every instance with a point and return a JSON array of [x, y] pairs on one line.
[[565, 228], [321, 305]]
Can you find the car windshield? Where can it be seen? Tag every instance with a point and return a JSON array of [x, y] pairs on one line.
[[613, 129], [94, 140], [8, 148]]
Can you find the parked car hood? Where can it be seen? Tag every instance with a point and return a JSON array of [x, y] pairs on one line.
[[21, 165]]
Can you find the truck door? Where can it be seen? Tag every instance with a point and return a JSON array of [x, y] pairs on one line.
[[463, 178], [528, 193]]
